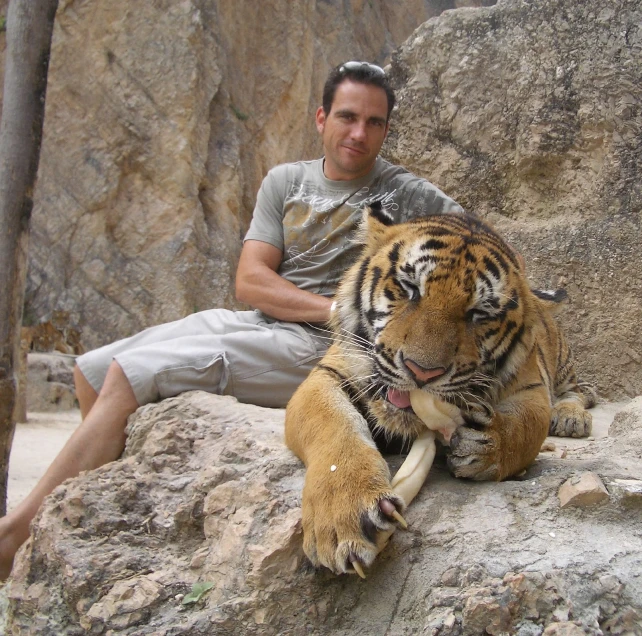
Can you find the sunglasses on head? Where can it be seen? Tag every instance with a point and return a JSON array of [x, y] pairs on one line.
[[356, 66]]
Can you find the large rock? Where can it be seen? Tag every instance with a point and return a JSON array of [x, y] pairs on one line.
[[161, 120], [207, 493], [528, 113]]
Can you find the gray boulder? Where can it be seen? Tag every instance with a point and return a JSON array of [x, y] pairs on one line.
[[528, 113], [207, 493]]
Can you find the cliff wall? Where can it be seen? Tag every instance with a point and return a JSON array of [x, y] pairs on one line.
[[530, 115], [161, 120]]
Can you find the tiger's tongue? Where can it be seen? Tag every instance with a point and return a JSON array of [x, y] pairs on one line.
[[401, 399]]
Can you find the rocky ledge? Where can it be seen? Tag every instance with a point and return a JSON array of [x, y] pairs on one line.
[[196, 530]]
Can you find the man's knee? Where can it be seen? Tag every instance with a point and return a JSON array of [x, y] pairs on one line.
[[85, 392], [117, 385], [79, 377]]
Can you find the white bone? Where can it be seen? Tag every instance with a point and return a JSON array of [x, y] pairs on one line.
[[438, 416], [413, 472]]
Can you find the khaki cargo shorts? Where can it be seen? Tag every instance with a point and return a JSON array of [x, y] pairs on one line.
[[246, 354]]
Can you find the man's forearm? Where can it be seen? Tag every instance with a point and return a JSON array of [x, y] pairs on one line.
[[280, 299]]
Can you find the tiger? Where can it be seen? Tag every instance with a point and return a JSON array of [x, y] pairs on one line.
[[441, 304]]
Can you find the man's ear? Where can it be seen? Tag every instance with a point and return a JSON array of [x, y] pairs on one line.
[[320, 119]]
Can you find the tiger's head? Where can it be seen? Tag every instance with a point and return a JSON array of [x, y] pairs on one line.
[[439, 303]]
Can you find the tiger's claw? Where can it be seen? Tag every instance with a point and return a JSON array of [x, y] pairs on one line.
[[358, 569], [402, 522], [389, 509], [569, 419]]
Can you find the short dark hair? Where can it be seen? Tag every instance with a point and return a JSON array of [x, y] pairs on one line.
[[362, 74]]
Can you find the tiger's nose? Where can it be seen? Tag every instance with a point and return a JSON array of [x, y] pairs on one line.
[[422, 375]]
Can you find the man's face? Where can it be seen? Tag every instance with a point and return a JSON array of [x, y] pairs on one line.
[[353, 131]]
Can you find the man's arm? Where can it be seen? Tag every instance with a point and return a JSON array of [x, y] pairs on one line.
[[258, 285]]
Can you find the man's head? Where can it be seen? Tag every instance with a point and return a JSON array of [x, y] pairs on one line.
[[360, 73], [353, 121]]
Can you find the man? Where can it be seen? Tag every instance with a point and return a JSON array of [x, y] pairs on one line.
[[296, 248]]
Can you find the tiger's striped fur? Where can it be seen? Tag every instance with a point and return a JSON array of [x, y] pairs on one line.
[[439, 303]]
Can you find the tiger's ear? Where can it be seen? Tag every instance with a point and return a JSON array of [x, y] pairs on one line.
[[374, 225], [551, 299]]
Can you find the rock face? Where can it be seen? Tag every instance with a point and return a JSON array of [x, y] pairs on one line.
[[50, 383], [207, 493], [529, 114], [161, 120]]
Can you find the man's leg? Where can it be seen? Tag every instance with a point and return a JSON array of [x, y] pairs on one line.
[[267, 362], [85, 393], [99, 439]]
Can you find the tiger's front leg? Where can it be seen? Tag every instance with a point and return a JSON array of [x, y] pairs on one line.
[[347, 497], [498, 445]]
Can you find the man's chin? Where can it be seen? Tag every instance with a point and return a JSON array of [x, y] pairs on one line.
[[347, 168], [356, 169]]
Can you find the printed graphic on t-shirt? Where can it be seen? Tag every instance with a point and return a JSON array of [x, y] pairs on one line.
[[366, 195], [313, 220], [318, 232], [317, 244], [318, 228]]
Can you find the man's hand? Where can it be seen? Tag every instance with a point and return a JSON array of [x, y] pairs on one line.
[[259, 285]]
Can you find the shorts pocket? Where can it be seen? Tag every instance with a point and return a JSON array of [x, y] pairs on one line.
[[211, 374]]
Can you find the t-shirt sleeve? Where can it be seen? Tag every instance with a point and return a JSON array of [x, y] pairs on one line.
[[267, 218], [412, 196], [450, 206], [434, 201], [421, 198]]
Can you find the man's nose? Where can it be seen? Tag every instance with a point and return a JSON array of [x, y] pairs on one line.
[[358, 130]]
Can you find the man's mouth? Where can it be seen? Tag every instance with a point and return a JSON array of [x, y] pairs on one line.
[[355, 149]]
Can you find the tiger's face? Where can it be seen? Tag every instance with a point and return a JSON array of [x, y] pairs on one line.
[[442, 304]]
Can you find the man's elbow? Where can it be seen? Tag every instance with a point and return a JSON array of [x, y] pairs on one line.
[[242, 291]]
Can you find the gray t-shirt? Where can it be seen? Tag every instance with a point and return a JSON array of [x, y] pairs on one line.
[[311, 219]]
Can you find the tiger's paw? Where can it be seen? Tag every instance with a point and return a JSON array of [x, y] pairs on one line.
[[342, 521], [474, 454], [569, 419]]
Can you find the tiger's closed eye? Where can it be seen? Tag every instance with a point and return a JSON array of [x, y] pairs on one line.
[[477, 316], [411, 289]]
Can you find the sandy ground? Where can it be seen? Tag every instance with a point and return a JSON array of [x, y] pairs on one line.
[[38, 441], [35, 444]]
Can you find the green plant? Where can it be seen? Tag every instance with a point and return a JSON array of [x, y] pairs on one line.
[[198, 589]]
